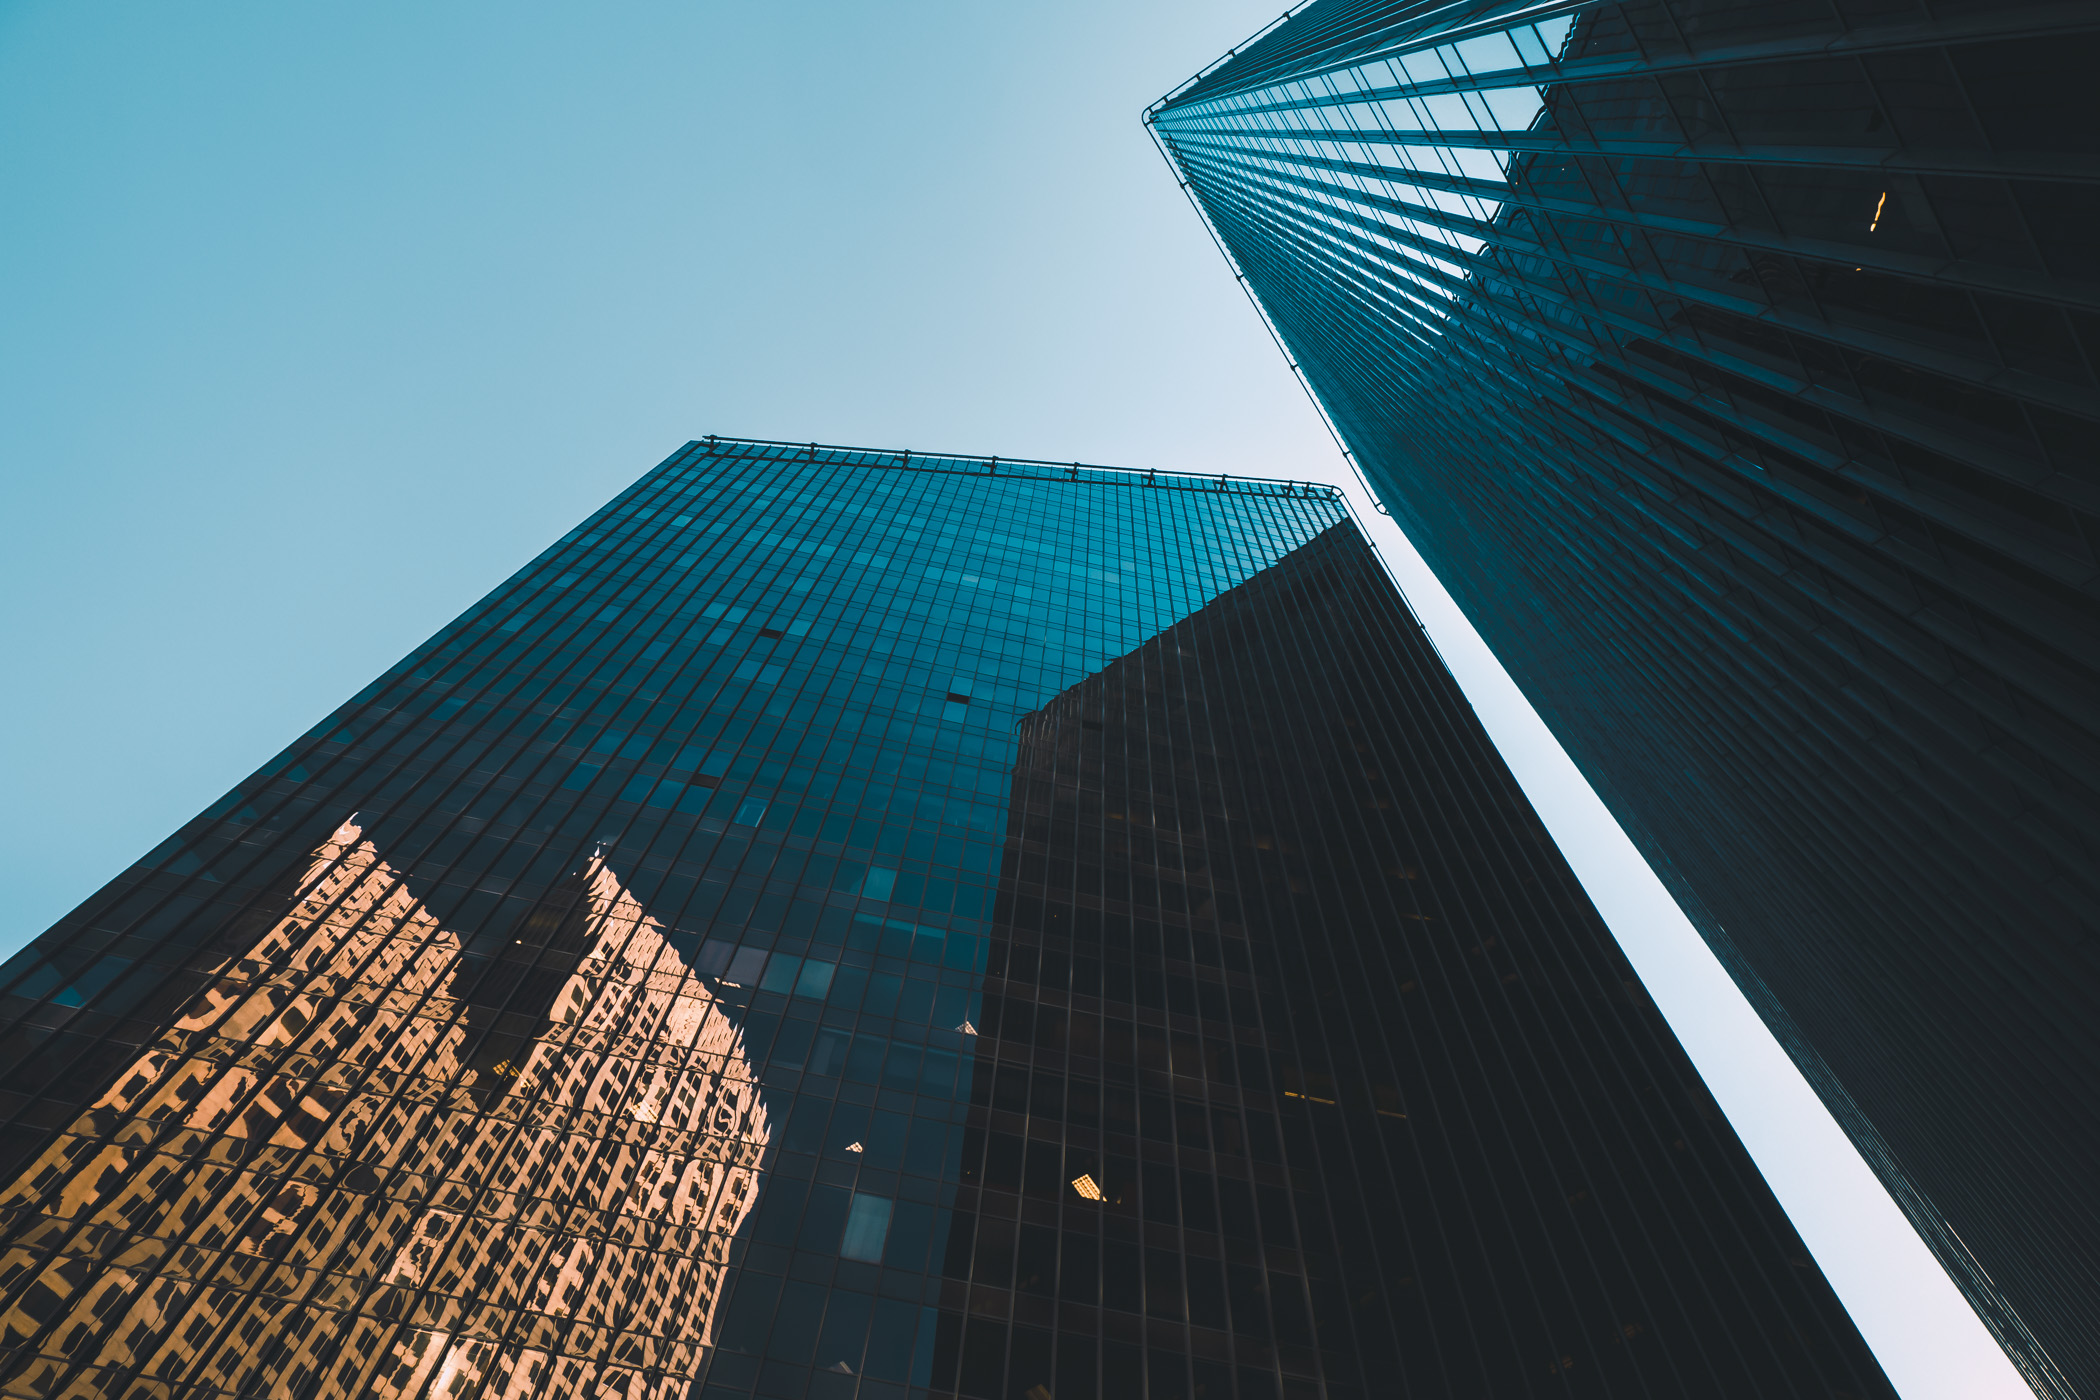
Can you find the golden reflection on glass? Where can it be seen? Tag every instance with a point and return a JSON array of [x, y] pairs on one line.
[[308, 1183]]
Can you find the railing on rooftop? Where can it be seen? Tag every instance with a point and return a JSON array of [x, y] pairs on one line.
[[1023, 467]]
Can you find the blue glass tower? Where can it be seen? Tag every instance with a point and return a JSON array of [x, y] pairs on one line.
[[854, 924], [1734, 366]]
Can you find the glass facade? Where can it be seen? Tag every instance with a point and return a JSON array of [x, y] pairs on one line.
[[1734, 366], [848, 924]]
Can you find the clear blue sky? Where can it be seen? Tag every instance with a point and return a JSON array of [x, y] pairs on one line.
[[317, 320]]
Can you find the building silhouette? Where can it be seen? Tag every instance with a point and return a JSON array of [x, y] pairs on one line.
[[1733, 365], [859, 924]]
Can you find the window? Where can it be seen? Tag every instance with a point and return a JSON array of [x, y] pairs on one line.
[[867, 1228]]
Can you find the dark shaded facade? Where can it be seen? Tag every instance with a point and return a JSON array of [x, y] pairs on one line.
[[1734, 366], [863, 925], [1297, 986]]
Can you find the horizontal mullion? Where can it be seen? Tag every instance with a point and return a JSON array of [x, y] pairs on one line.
[[1946, 514], [2028, 475], [1951, 515], [1457, 286], [2000, 465], [1953, 272], [1409, 312], [1979, 163], [1485, 231], [1998, 24], [2010, 22], [2016, 384], [2050, 690]]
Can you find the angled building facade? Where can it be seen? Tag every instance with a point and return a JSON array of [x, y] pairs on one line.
[[1734, 365], [850, 924]]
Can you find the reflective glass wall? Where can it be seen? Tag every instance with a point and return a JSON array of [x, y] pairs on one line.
[[1306, 1059], [846, 923], [1734, 366]]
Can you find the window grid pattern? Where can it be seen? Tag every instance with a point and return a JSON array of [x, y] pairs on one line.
[[450, 1052], [849, 924], [1734, 365], [1307, 1069]]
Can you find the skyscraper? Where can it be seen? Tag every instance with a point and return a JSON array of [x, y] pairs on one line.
[[1733, 364], [846, 923]]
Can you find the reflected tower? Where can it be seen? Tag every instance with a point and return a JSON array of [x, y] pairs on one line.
[[336, 1174]]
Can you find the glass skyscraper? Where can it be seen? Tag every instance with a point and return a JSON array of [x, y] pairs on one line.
[[847, 923], [1734, 364]]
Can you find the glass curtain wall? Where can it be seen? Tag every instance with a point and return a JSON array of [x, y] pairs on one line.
[[1306, 1059], [845, 924], [1734, 366], [449, 1053]]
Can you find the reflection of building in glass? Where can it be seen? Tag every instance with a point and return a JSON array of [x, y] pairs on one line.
[[1305, 1057], [1734, 365], [302, 1186], [628, 1038], [452, 1108]]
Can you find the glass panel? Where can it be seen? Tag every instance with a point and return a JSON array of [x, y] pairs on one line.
[[1736, 375]]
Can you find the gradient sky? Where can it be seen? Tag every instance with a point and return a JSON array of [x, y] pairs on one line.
[[318, 320]]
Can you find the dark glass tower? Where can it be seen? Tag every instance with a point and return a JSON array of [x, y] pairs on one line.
[[849, 924], [1734, 365]]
